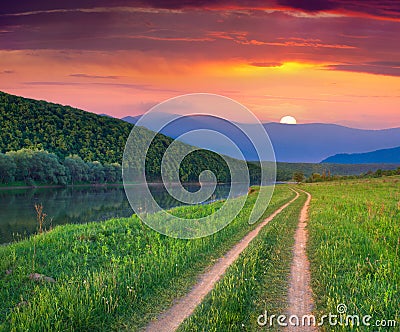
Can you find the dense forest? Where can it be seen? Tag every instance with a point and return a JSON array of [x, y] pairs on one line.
[[36, 167], [62, 130], [32, 167], [42, 142]]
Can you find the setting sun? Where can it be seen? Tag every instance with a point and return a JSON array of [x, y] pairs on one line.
[[288, 120]]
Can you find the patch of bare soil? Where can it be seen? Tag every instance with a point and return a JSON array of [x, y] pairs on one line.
[[300, 294]]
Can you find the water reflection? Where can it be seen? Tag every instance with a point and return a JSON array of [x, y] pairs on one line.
[[72, 206]]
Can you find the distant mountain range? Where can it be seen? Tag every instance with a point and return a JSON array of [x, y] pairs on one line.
[[390, 156], [130, 119], [310, 143]]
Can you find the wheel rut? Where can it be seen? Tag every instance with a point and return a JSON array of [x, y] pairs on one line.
[[174, 316]]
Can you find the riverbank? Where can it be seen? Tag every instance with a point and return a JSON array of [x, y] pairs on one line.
[[76, 205], [118, 184], [46, 186], [112, 274]]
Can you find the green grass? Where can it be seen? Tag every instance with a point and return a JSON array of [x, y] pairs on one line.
[[256, 282], [112, 275], [354, 248]]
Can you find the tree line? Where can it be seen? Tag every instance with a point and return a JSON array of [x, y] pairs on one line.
[[327, 176], [285, 171], [32, 167]]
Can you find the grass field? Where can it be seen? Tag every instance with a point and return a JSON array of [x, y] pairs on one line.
[[354, 248], [118, 274], [112, 275]]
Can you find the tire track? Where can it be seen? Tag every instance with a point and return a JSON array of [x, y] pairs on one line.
[[174, 316], [300, 296]]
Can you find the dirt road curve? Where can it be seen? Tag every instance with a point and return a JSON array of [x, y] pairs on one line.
[[300, 294], [175, 315]]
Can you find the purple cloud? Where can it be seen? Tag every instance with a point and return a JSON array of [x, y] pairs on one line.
[[375, 8], [310, 5], [377, 67], [112, 77]]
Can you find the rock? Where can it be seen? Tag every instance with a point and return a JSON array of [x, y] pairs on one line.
[[40, 277], [22, 303]]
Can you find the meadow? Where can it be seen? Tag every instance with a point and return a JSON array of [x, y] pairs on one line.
[[119, 274], [111, 275], [354, 248]]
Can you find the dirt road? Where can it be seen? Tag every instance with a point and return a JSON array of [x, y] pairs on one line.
[[175, 315]]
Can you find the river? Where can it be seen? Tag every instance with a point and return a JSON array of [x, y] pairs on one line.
[[72, 205]]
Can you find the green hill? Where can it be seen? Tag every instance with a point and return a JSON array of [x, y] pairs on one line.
[[64, 131]]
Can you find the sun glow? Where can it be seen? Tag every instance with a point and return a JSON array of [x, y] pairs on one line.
[[288, 120], [293, 66]]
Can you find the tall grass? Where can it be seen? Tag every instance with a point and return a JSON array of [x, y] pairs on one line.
[[112, 275], [354, 248]]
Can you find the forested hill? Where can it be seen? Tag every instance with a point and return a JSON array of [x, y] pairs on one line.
[[63, 130]]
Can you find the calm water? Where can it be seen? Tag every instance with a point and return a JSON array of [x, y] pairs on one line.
[[71, 206]]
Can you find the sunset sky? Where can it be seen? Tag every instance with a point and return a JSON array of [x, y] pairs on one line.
[[328, 61]]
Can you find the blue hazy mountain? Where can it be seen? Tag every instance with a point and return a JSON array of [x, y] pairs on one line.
[[312, 142], [389, 156], [131, 119], [315, 142]]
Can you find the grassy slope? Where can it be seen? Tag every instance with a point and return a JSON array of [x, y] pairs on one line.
[[111, 275], [256, 282], [355, 247]]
